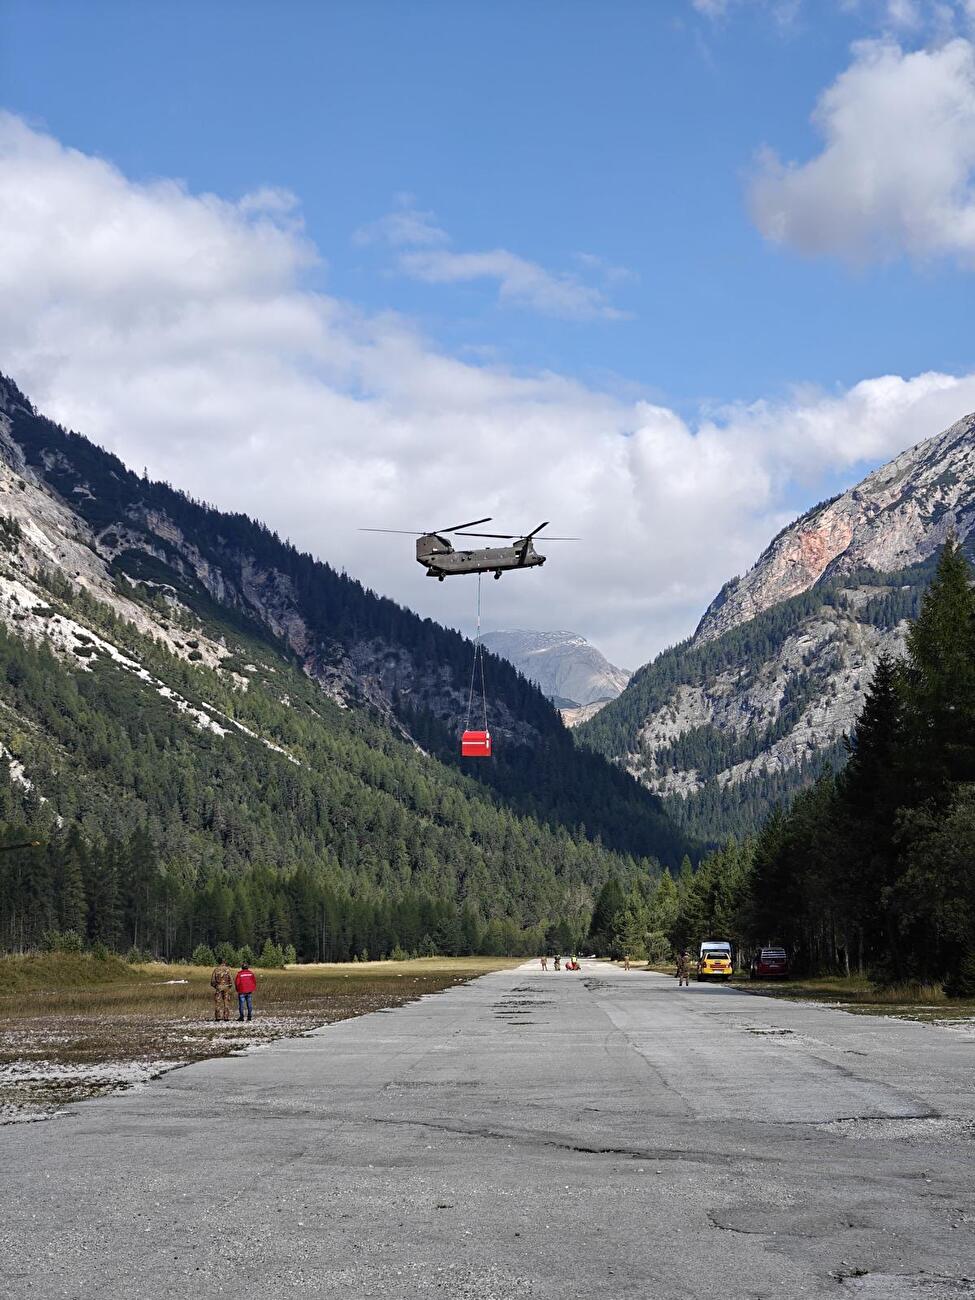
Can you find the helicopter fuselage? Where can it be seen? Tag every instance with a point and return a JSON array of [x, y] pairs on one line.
[[440, 559]]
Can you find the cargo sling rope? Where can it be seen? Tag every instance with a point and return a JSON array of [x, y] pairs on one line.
[[478, 660]]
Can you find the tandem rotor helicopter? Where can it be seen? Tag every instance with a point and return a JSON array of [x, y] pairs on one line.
[[438, 557], [435, 552]]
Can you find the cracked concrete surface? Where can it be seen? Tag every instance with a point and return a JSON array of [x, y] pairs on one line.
[[629, 1139]]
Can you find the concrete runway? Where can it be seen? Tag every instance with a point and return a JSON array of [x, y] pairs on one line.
[[594, 1135]]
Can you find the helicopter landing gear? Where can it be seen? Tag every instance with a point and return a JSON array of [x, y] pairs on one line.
[[441, 576], [497, 574]]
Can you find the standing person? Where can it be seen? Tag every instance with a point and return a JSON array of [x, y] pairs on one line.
[[626, 961], [221, 981], [245, 984], [684, 969], [544, 961], [558, 962]]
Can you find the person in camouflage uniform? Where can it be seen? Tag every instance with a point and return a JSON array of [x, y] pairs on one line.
[[684, 969], [222, 983]]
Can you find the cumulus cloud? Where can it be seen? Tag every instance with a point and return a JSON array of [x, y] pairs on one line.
[[422, 254], [179, 330], [897, 168]]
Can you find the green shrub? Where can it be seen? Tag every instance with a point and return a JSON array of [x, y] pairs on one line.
[[962, 981], [62, 941], [272, 956], [399, 954], [228, 953], [290, 955], [203, 955]]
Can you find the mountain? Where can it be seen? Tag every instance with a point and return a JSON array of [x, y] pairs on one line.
[[570, 671], [221, 738], [759, 699]]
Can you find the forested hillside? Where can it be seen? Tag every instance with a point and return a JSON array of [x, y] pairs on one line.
[[218, 739], [364, 649]]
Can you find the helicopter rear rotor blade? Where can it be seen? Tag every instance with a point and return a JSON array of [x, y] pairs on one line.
[[404, 532]]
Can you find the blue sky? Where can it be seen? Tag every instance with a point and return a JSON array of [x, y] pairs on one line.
[[538, 189]]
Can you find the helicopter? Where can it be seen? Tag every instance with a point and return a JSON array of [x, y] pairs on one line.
[[438, 557]]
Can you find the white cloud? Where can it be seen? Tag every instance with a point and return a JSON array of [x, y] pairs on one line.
[[783, 12], [607, 270], [940, 17], [177, 329], [405, 226], [422, 254], [897, 170], [520, 282]]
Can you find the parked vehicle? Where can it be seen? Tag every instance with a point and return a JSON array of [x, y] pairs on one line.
[[715, 961], [769, 963]]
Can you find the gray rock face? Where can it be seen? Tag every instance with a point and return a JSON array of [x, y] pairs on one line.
[[774, 676], [568, 669], [898, 515]]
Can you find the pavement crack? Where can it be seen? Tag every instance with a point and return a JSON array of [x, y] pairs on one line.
[[556, 1143]]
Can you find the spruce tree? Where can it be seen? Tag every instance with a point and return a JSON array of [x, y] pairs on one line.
[[940, 680], [870, 791]]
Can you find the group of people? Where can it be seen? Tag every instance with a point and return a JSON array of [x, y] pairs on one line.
[[571, 963], [244, 983]]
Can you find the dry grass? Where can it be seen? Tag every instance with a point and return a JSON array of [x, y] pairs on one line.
[[73, 1027], [856, 993]]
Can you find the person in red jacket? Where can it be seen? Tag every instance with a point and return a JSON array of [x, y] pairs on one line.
[[245, 984]]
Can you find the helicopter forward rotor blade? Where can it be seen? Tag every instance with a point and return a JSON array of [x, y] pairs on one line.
[[405, 532], [470, 524]]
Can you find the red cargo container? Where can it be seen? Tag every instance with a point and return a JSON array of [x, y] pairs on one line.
[[476, 744]]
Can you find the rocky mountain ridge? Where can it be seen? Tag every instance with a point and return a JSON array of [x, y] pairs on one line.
[[897, 516], [570, 671], [751, 707]]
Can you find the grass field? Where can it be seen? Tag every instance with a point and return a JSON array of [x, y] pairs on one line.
[[73, 1026], [857, 994]]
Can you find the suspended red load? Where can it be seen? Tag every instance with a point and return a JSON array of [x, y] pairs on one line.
[[476, 744]]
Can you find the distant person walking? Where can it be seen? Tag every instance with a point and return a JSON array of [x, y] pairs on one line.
[[684, 969], [558, 963], [544, 961], [245, 984], [221, 981]]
